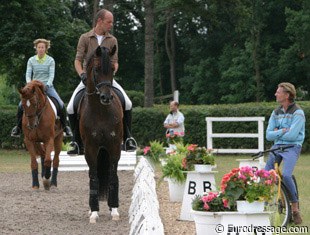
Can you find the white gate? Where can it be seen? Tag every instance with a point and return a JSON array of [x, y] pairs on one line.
[[259, 135]]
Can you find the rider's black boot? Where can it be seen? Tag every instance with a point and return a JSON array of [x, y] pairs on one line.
[[64, 122], [17, 130], [77, 145], [129, 143]]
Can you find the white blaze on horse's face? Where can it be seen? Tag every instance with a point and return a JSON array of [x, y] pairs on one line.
[[28, 103]]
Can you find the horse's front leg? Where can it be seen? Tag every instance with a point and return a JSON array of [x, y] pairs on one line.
[[93, 194], [47, 164], [113, 198], [57, 149], [33, 164]]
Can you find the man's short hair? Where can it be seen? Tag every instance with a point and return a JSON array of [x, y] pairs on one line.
[[289, 88], [176, 103], [100, 14]]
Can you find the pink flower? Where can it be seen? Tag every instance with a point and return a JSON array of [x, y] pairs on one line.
[[192, 147], [146, 150], [225, 202], [206, 206]]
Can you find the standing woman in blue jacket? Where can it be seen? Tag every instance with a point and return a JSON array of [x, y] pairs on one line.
[[41, 67], [286, 126]]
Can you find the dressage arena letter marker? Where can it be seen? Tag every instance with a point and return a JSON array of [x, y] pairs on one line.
[[197, 183], [192, 187], [206, 186]]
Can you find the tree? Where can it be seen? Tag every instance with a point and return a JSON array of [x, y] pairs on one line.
[[39, 19], [149, 54]]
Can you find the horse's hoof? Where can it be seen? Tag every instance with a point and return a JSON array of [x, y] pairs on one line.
[[35, 187], [114, 214], [93, 217], [53, 187], [46, 183]]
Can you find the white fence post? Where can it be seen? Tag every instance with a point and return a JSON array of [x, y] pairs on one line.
[[176, 96], [259, 135]]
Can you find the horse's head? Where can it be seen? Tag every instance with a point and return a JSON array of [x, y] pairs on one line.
[[31, 97], [100, 74]]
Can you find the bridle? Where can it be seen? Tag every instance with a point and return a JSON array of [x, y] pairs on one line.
[[100, 66], [37, 114], [108, 84]]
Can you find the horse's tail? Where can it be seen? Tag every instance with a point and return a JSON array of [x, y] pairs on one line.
[[103, 174]]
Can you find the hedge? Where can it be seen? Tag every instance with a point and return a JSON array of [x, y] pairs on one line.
[[148, 124]]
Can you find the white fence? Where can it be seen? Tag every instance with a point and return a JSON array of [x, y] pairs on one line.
[[127, 161], [144, 209], [259, 135]]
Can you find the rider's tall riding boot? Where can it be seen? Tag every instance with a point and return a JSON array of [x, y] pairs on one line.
[[64, 122], [130, 143], [77, 144], [17, 130]]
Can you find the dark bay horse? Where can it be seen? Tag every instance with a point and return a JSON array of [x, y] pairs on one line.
[[101, 128], [42, 133]]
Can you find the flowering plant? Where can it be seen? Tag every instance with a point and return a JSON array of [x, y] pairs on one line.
[[198, 155], [155, 151], [212, 201], [248, 184], [174, 168], [174, 137]]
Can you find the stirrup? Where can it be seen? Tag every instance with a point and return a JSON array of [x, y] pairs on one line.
[[16, 132], [76, 150], [130, 145], [67, 132]]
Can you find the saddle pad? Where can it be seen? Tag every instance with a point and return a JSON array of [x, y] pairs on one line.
[[53, 106]]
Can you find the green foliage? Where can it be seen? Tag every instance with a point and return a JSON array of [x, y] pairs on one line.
[[199, 155], [247, 184], [8, 121], [173, 168], [40, 19], [155, 151], [147, 124], [9, 95], [137, 98], [212, 201]]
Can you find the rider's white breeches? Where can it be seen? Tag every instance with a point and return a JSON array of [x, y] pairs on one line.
[[70, 110]]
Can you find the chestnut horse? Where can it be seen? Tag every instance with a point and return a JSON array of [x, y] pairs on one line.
[[101, 127], [42, 132]]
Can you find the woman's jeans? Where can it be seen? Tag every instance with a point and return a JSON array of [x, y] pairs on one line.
[[51, 92], [289, 157]]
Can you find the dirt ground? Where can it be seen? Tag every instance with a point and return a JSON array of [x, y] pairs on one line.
[[65, 210], [60, 211]]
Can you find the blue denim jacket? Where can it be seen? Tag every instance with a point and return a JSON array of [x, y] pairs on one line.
[[293, 119]]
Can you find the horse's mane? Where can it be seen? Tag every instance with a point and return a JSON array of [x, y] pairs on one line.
[[32, 87], [102, 52]]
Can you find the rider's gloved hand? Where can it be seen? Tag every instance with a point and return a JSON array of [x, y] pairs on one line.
[[83, 77]]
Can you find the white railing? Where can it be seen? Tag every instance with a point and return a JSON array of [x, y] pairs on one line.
[[259, 135], [144, 208]]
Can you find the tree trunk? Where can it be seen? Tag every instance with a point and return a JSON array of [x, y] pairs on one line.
[[149, 54], [256, 43], [95, 9], [256, 34], [108, 4], [170, 48]]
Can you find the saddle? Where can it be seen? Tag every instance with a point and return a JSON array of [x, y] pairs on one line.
[[58, 108], [80, 96]]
